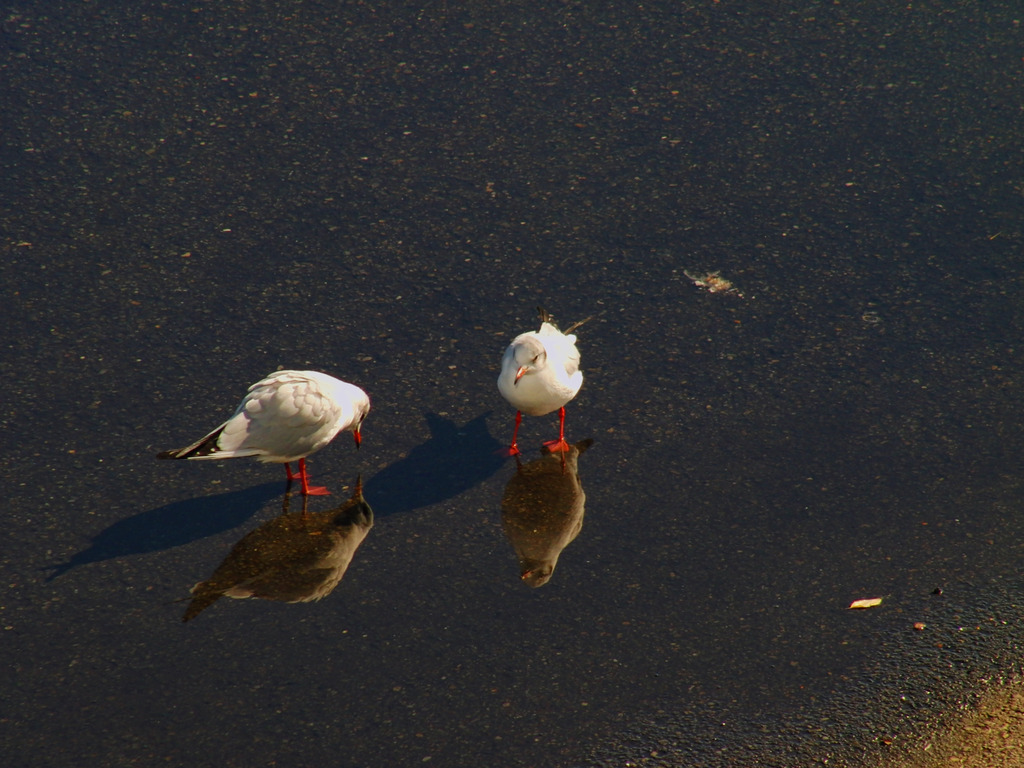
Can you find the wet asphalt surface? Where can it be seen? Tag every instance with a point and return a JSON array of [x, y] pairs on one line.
[[194, 197]]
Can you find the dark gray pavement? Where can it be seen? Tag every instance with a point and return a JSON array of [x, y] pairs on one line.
[[193, 196]]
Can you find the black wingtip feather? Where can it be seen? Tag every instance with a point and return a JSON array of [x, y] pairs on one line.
[[205, 447]]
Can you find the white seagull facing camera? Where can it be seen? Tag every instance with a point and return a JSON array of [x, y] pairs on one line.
[[285, 417], [540, 373]]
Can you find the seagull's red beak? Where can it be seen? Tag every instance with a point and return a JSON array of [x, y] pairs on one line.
[[359, 437], [519, 375]]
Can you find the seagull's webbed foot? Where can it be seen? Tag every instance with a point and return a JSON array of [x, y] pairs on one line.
[[557, 446]]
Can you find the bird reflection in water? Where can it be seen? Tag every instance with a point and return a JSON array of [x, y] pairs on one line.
[[298, 557], [542, 511]]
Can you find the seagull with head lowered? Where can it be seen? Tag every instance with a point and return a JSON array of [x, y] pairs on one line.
[[284, 418], [540, 373]]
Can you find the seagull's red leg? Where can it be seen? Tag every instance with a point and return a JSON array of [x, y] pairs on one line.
[[559, 445], [307, 489], [513, 450]]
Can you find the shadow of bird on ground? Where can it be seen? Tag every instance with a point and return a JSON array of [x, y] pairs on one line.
[[174, 524], [451, 462]]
